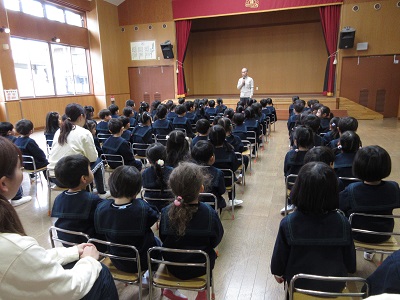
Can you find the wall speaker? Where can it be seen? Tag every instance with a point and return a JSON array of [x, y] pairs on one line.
[[346, 40], [166, 49]]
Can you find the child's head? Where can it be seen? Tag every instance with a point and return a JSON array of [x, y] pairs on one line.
[[73, 170], [145, 118], [113, 108], [311, 121], [295, 98], [269, 101], [333, 124], [217, 135], [177, 147], [161, 112], [238, 119], [6, 128], [155, 104], [323, 112], [316, 189], [130, 103], [203, 126], [203, 153], [220, 101], [303, 137], [180, 110], [115, 126], [298, 106], [156, 152], [347, 123], [263, 102], [89, 110], [189, 105], [104, 113], [52, 122], [321, 154], [91, 126], [310, 103], [249, 113], [350, 142], [372, 163], [211, 103], [127, 111], [24, 127], [125, 182], [181, 100], [228, 113], [316, 107], [226, 124], [125, 122], [144, 106]]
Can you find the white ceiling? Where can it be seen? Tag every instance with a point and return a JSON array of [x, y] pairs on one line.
[[115, 2]]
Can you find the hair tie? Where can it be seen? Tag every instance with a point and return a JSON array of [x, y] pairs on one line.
[[333, 124], [167, 137], [160, 162], [69, 119], [187, 138], [339, 147], [296, 150], [177, 201]]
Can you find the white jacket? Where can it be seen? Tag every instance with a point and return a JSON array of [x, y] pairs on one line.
[[28, 271]]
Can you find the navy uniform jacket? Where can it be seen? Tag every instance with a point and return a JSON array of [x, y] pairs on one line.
[[183, 122], [314, 244], [49, 138], [75, 211], [198, 138], [225, 158], [28, 146], [294, 160], [220, 108], [292, 122], [324, 126], [119, 146], [344, 164], [163, 127], [192, 117], [102, 127], [236, 142], [378, 199], [142, 134], [328, 137], [270, 112], [253, 125], [217, 186], [128, 224], [149, 181], [171, 115], [203, 232], [132, 121], [211, 111], [127, 135], [240, 131]]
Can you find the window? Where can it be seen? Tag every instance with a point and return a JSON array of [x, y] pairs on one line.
[[64, 72], [54, 13], [32, 7], [73, 18], [12, 5]]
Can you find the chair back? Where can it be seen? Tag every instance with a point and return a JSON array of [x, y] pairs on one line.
[[348, 180], [361, 291], [112, 161], [103, 137], [29, 162], [54, 236], [210, 199], [289, 183], [163, 279]]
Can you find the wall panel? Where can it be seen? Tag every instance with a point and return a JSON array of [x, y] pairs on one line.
[[144, 11]]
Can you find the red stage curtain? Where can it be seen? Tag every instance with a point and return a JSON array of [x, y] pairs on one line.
[[182, 37], [330, 16]]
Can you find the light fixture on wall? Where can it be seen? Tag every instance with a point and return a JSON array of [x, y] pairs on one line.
[[55, 39], [4, 29]]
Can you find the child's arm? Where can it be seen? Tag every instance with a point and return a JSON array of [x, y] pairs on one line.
[[37, 153], [280, 254], [218, 230]]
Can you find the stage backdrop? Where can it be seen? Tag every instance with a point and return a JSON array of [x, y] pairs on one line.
[[191, 9]]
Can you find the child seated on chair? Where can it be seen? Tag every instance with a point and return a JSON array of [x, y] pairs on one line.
[[127, 133], [203, 129], [344, 124], [325, 115], [156, 177], [51, 126], [130, 114], [91, 126], [349, 144], [75, 207], [114, 109], [203, 154], [116, 145], [142, 134], [372, 195], [28, 146], [316, 238], [102, 126], [180, 121], [177, 148], [333, 132], [189, 224], [126, 219]]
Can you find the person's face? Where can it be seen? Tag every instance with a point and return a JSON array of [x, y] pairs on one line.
[[10, 186], [319, 113], [89, 178], [244, 72]]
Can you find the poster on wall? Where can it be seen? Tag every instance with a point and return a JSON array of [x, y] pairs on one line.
[[143, 50], [11, 95]]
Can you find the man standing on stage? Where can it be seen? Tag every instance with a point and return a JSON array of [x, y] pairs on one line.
[[246, 86]]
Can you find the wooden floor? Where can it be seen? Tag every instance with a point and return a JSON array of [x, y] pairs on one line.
[[242, 270]]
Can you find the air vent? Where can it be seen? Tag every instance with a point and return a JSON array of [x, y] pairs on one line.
[[363, 98], [164, 26], [380, 100], [157, 96], [377, 6]]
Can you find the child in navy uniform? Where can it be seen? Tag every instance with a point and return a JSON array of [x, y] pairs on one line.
[[102, 126], [294, 119], [115, 144], [190, 115], [177, 148], [211, 110], [91, 126], [240, 128], [344, 124], [130, 103], [220, 106], [349, 144], [180, 121], [316, 238], [75, 207], [202, 128], [161, 125], [324, 113], [189, 224], [143, 133], [114, 109], [372, 195], [156, 177], [127, 134], [203, 154], [333, 132], [28, 146], [129, 113], [52, 125], [127, 219]]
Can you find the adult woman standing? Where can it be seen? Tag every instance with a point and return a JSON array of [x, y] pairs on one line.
[[72, 139]]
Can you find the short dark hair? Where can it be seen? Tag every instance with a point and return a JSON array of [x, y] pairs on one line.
[[113, 108], [320, 153], [125, 120], [211, 103], [202, 126], [202, 151], [226, 123], [70, 169], [127, 111], [125, 181], [229, 113], [5, 127], [24, 126], [311, 121], [372, 163], [347, 123], [298, 106], [181, 100], [188, 105], [130, 103], [263, 102], [180, 109], [249, 113], [104, 113], [161, 111], [220, 101], [325, 110], [238, 119], [217, 135], [115, 125], [350, 142], [316, 189], [303, 136]]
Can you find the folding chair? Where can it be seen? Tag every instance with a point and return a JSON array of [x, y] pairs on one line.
[[162, 139], [127, 278], [248, 151], [242, 167], [229, 177], [252, 138], [103, 137], [359, 292], [54, 232], [51, 187], [348, 180], [387, 247], [114, 159], [157, 196], [49, 145], [289, 182], [139, 151], [207, 197], [164, 279], [30, 161]]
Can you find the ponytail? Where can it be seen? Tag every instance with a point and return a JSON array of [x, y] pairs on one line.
[[73, 111]]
